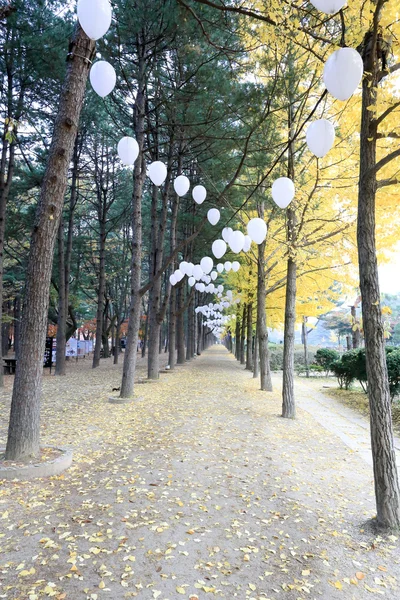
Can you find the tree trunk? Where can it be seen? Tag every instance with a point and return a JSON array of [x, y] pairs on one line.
[[180, 328], [117, 340], [199, 346], [146, 333], [189, 331], [265, 373], [237, 335], [288, 403], [243, 335], [256, 364], [5, 331], [62, 305], [383, 454], [17, 323], [172, 331], [304, 336], [101, 294], [249, 349], [64, 268], [130, 356], [24, 427], [355, 328]]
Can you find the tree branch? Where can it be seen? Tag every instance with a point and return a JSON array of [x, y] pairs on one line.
[[387, 159]]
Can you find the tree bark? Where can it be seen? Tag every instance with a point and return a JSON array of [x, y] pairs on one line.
[[243, 335], [237, 334], [130, 356], [64, 274], [62, 305], [265, 372], [101, 291], [180, 328], [355, 334], [288, 403], [304, 335], [24, 427], [384, 459], [249, 349], [256, 364]]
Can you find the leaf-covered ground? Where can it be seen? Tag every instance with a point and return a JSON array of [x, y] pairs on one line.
[[199, 490]]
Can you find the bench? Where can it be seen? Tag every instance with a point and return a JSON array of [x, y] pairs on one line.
[[9, 366]]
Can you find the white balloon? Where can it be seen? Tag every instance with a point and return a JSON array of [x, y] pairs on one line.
[[183, 267], [236, 241], [218, 248], [228, 266], [343, 72], [214, 275], [103, 78], [283, 191], [189, 269], [220, 289], [235, 266], [157, 172], [247, 243], [211, 287], [128, 150], [191, 281], [199, 194], [172, 279], [213, 216], [330, 7], [181, 185], [220, 267], [201, 287], [226, 233], [197, 287], [257, 229], [320, 137], [197, 272], [94, 17], [229, 292], [178, 275], [206, 264]]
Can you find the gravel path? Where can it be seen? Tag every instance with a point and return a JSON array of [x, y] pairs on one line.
[[200, 490]]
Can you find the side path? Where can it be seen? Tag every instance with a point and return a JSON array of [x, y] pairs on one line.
[[352, 428], [199, 490]]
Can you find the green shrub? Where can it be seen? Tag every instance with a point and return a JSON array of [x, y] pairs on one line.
[[276, 358], [354, 362], [343, 374], [324, 357], [393, 367], [353, 366]]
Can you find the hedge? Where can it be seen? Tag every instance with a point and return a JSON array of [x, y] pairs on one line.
[[352, 366]]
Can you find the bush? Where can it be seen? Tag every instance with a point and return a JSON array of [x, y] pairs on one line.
[[276, 357], [343, 374], [353, 366], [393, 367], [324, 357]]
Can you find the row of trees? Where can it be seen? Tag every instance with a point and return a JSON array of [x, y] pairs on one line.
[[225, 101]]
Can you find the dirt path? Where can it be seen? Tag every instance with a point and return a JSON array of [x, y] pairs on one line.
[[344, 422], [199, 490]]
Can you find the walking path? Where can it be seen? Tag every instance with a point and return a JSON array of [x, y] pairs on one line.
[[352, 428], [199, 490]]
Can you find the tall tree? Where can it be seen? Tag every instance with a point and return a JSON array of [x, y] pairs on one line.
[[24, 426]]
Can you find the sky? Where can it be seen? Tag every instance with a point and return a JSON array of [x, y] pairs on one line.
[[389, 274]]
